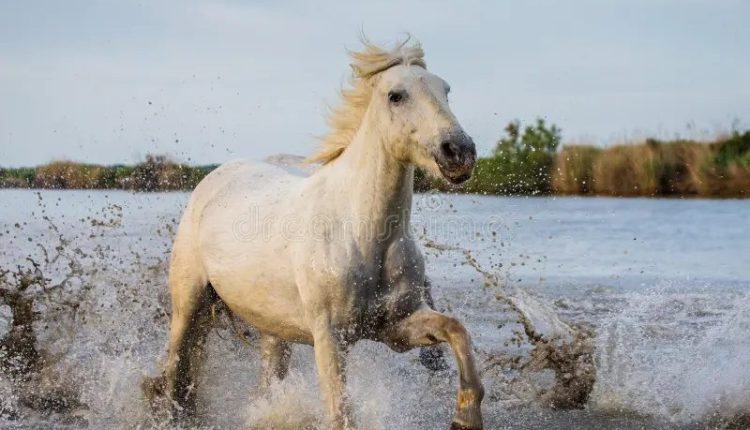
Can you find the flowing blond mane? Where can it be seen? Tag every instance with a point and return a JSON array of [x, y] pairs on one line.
[[345, 119]]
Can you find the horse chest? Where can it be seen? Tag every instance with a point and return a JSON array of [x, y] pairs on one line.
[[369, 293]]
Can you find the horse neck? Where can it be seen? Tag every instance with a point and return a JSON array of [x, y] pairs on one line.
[[377, 186]]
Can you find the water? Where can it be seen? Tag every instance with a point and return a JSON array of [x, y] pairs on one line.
[[664, 286]]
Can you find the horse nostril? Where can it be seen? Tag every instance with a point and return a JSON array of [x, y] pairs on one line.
[[450, 149]]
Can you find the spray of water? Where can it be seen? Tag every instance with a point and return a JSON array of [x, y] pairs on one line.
[[556, 346], [652, 362]]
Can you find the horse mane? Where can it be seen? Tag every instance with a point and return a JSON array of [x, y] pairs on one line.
[[345, 119]]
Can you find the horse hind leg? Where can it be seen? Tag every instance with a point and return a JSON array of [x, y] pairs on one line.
[[187, 338], [192, 300], [275, 356]]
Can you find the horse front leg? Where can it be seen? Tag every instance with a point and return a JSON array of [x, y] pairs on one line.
[[428, 327], [330, 359], [431, 357]]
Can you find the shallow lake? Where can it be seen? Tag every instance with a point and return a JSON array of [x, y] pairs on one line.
[[664, 285]]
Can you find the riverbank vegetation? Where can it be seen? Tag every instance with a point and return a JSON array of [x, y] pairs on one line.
[[656, 168], [154, 173], [530, 161], [527, 160]]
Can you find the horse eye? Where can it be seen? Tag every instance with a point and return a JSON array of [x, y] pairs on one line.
[[396, 96]]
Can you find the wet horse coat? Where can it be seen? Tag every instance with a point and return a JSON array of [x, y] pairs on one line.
[[328, 259]]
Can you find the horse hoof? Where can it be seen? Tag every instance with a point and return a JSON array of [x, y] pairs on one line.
[[155, 393], [458, 426], [467, 418], [154, 389]]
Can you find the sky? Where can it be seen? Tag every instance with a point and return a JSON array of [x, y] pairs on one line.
[[209, 81]]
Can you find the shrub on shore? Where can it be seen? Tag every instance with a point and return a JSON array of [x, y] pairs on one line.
[[158, 173], [572, 171], [22, 177], [626, 170], [67, 175], [730, 173], [521, 162]]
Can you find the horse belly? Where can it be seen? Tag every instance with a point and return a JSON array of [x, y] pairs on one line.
[[270, 304], [256, 282], [260, 289]]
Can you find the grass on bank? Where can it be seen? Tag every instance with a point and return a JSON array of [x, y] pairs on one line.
[[656, 168]]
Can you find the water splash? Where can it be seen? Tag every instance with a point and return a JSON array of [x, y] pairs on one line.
[[652, 364], [679, 357], [556, 346]]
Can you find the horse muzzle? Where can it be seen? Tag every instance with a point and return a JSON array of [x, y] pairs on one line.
[[456, 156]]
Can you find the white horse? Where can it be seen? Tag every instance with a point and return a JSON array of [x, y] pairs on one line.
[[328, 259]]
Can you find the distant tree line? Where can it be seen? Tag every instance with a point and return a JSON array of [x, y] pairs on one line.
[[154, 173], [527, 160]]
